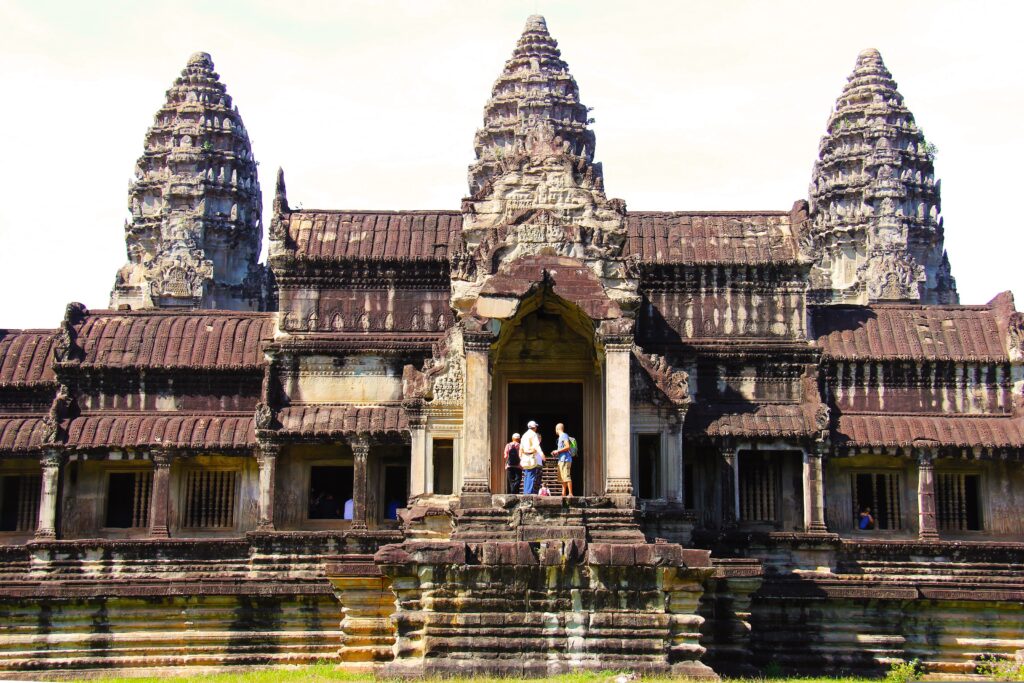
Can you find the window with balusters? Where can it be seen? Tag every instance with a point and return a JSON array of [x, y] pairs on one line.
[[878, 493], [760, 485], [211, 499], [19, 502], [958, 501], [128, 499]]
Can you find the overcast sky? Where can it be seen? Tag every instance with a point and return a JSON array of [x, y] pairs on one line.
[[373, 105]]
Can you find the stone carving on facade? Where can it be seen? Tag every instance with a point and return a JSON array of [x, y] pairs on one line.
[[440, 382], [66, 349], [264, 417], [891, 275], [873, 193], [195, 231], [671, 382], [59, 410]]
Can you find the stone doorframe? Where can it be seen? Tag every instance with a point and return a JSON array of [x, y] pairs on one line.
[[591, 438]]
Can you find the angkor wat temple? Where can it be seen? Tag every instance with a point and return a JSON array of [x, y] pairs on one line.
[[241, 463]]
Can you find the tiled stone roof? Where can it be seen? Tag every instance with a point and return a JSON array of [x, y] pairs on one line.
[[909, 331], [937, 430], [206, 339], [320, 421], [335, 235], [748, 420], [726, 238], [228, 431], [26, 357], [21, 433]]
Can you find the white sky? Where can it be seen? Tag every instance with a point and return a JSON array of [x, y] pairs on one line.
[[373, 105]]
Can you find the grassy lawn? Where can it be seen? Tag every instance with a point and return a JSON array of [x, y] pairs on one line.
[[324, 673]]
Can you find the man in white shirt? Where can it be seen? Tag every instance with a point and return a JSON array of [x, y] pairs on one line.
[[531, 458]]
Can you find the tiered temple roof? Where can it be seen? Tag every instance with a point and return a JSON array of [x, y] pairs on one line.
[[873, 189], [534, 87], [196, 227]]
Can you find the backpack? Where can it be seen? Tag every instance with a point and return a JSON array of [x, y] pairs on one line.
[[573, 450]]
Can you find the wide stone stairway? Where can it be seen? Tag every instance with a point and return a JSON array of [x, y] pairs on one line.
[[529, 586]]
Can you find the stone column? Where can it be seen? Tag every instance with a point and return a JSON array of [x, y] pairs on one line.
[[476, 415], [927, 530], [814, 493], [360, 452], [266, 457], [159, 502], [48, 499], [418, 452], [617, 436], [729, 482]]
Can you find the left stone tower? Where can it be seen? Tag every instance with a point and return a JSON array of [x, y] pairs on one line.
[[196, 228]]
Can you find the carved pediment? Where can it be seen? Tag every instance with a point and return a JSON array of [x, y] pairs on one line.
[[671, 382]]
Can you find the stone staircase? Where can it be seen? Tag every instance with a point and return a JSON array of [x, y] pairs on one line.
[[536, 518]]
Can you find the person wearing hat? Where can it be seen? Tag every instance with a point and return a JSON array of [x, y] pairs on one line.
[[531, 458], [513, 472]]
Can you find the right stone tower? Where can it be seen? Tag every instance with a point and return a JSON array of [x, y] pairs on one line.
[[874, 232]]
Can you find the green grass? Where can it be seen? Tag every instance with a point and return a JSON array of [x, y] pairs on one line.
[[326, 673]]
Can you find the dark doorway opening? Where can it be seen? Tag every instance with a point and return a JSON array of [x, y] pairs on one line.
[[330, 492], [549, 403]]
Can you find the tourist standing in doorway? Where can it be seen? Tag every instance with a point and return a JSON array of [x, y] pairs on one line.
[[531, 458], [565, 449], [513, 472]]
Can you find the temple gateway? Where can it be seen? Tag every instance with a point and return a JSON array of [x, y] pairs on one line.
[[796, 448]]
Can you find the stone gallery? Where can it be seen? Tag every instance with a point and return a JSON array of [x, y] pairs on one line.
[[796, 448]]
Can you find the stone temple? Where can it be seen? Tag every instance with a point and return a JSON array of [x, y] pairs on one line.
[[241, 463]]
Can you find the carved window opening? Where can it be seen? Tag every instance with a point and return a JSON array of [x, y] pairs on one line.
[[444, 466], [648, 461], [330, 492], [879, 491], [19, 502], [760, 484], [958, 501], [128, 497], [396, 489], [211, 497]]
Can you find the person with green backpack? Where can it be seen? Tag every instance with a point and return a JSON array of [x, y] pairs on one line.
[[566, 450]]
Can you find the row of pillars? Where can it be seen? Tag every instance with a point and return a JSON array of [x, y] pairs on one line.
[[266, 458], [814, 493], [476, 461]]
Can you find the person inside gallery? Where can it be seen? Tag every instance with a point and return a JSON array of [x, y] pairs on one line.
[[531, 458], [513, 472]]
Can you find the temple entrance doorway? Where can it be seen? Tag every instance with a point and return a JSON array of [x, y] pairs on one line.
[[546, 368], [549, 403]]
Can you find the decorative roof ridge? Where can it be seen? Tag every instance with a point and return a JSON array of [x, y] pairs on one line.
[[168, 312], [706, 212], [890, 413], [164, 413], [210, 367], [903, 305], [336, 404], [375, 212], [298, 256], [28, 330]]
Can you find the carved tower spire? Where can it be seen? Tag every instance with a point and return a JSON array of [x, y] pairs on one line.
[[875, 232], [535, 89], [195, 231]]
